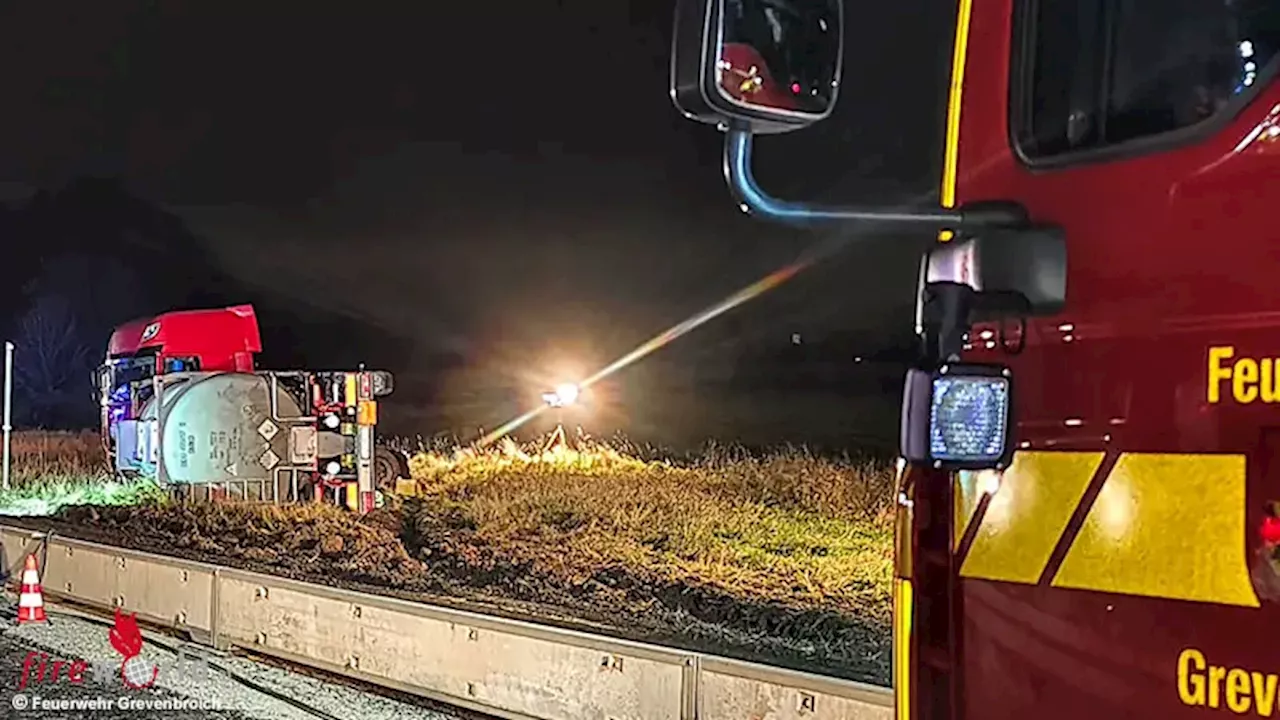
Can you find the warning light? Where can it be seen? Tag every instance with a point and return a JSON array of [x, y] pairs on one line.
[[795, 88]]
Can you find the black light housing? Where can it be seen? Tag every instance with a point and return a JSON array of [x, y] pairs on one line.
[[383, 383], [1016, 272], [958, 417]]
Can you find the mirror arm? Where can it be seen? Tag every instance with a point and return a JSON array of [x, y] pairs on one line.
[[741, 181]]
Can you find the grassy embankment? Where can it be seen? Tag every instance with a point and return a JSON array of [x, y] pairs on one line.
[[787, 555], [52, 470]]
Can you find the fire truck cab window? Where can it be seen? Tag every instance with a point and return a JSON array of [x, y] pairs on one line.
[[1098, 73]]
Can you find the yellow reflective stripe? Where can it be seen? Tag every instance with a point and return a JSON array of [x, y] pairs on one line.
[[902, 596], [951, 140], [967, 498], [1027, 515], [1167, 526], [902, 608], [1162, 525]]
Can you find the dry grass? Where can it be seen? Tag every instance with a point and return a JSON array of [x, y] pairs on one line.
[[52, 470], [790, 528], [40, 457]]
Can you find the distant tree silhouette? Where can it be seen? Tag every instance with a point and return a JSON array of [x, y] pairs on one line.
[[72, 306], [52, 364]]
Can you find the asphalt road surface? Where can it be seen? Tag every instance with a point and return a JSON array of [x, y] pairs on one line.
[[81, 678]]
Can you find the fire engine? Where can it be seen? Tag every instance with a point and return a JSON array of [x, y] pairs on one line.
[[183, 403], [1090, 444]]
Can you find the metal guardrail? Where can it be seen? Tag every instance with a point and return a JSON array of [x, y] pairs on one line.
[[493, 665]]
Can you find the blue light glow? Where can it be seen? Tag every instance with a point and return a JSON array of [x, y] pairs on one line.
[[119, 402]]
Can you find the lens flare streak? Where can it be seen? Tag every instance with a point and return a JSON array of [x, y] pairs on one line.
[[830, 246], [761, 286], [675, 331], [511, 425]]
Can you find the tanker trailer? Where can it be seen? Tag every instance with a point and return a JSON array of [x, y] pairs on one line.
[[266, 436], [183, 402]]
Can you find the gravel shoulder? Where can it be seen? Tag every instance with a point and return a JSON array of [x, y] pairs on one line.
[[192, 682]]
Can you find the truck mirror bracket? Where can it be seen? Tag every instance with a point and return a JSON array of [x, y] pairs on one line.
[[1014, 272], [753, 199]]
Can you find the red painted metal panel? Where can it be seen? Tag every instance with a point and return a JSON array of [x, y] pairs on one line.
[[223, 338], [1171, 253]]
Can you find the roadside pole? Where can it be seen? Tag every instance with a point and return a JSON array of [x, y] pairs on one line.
[[8, 406]]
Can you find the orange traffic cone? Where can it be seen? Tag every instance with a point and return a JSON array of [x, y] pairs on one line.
[[31, 597]]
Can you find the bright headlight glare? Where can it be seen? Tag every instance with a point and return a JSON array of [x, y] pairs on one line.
[[333, 467], [969, 418], [564, 395], [332, 421]]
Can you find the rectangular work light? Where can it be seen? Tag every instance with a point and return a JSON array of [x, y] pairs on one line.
[[958, 417]]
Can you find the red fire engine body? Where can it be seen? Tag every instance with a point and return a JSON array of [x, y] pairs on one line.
[[1125, 562], [1121, 567], [183, 402]]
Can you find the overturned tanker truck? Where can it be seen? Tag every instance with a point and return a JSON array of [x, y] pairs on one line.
[[183, 403]]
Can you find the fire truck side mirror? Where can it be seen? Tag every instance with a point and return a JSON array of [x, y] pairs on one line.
[[772, 66], [1015, 271]]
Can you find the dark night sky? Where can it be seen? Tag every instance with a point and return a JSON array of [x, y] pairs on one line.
[[452, 171]]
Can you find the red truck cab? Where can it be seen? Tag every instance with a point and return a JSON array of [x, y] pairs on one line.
[[1105, 260], [218, 339]]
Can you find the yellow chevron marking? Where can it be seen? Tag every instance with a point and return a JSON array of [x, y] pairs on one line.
[[1027, 515], [1169, 526]]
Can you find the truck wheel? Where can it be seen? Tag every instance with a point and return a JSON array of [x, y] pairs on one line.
[[388, 466]]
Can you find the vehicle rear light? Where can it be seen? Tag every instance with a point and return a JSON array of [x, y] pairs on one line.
[[368, 413]]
